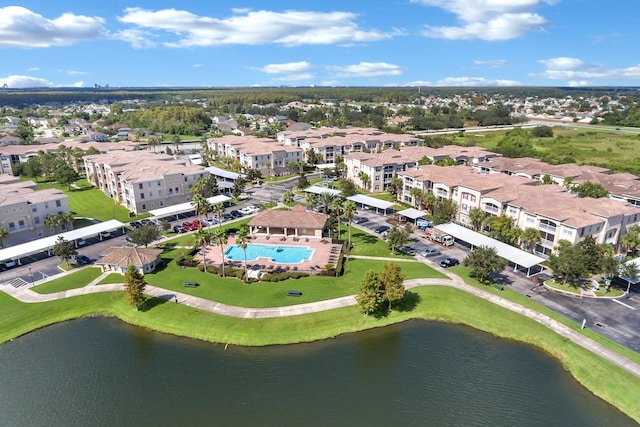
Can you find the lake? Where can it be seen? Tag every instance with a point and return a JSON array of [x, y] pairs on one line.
[[102, 372]]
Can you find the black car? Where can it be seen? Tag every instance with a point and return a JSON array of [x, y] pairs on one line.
[[381, 229], [235, 213], [179, 229], [83, 260], [449, 262], [360, 219], [135, 224]]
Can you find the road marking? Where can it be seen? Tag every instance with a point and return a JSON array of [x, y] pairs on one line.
[[621, 303]]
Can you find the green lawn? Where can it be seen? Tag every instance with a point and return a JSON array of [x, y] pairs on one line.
[[74, 280], [112, 278], [368, 244], [90, 202]]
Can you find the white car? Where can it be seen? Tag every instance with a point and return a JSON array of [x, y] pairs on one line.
[[253, 209]]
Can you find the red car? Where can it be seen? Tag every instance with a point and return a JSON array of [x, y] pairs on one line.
[[196, 223], [188, 226]]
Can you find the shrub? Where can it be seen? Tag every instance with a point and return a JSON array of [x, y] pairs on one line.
[[282, 275]]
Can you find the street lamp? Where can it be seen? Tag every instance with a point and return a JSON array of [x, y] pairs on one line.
[[31, 275]]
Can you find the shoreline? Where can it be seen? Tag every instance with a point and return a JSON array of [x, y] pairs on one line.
[[599, 376]]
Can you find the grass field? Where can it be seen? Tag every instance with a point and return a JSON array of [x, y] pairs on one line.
[[74, 280], [604, 148], [87, 201]]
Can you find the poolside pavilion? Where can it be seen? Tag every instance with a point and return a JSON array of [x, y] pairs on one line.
[[297, 222]]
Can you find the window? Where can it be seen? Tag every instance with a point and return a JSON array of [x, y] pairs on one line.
[[140, 186], [36, 220], [34, 208], [144, 206], [142, 195], [58, 203], [21, 223]]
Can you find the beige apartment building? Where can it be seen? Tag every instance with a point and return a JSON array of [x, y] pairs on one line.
[[143, 181], [23, 210], [551, 209]]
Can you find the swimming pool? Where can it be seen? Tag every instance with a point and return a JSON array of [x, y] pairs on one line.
[[280, 254]]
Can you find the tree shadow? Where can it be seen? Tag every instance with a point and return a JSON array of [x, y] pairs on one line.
[[409, 302], [364, 238], [499, 278], [153, 302]]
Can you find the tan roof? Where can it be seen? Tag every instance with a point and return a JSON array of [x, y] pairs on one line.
[[298, 217], [125, 255]]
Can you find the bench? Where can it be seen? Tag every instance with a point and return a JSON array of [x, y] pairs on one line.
[[190, 284], [294, 293]]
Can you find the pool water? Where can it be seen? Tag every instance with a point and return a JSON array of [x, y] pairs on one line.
[[280, 254]]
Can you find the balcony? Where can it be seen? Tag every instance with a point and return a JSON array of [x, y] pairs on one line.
[[548, 228], [492, 210]]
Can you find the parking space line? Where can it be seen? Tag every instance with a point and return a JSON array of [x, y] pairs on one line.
[[621, 303]]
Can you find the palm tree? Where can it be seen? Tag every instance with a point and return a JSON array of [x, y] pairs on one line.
[[219, 211], [287, 197], [176, 143], [529, 237], [3, 235], [203, 239], [66, 218], [325, 199], [220, 237], [417, 195], [338, 210], [429, 201], [365, 179], [350, 213], [242, 239], [477, 216], [312, 199], [52, 220], [201, 205]]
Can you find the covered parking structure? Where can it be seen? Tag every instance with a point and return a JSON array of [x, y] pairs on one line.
[[186, 207], [521, 260], [411, 213], [16, 252], [367, 202], [315, 189]]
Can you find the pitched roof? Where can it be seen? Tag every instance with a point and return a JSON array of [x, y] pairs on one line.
[[298, 217], [126, 255]]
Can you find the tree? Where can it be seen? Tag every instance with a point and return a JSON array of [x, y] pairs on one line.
[[477, 217], [65, 175], [53, 221], [631, 239], [529, 238], [590, 189], [546, 179], [66, 218], [242, 239], [484, 261], [429, 201], [201, 205], [325, 199], [144, 235], [542, 132], [64, 249], [218, 209], [3, 235], [395, 186], [444, 211], [176, 143], [238, 187], [32, 167], [392, 278], [338, 209], [365, 179], [205, 186], [630, 272], [287, 197], [311, 199], [220, 237], [397, 237], [568, 261], [592, 253], [371, 292], [303, 182], [417, 194], [350, 213], [134, 285], [347, 186], [202, 240]]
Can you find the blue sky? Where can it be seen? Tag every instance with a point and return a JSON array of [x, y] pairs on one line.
[[329, 43]]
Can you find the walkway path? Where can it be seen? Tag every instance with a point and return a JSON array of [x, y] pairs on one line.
[[28, 296]]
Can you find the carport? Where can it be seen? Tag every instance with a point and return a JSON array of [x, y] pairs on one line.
[[315, 189], [521, 260], [411, 213], [368, 202], [46, 243], [186, 207]]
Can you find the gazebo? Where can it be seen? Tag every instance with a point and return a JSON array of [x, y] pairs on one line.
[[118, 258], [297, 222]]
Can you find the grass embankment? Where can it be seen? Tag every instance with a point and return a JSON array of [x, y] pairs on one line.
[[430, 303], [74, 280], [369, 245]]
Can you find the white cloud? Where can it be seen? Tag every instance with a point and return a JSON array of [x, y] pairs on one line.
[[489, 20], [197, 65], [296, 77], [491, 63], [367, 69], [138, 39], [75, 84], [21, 82], [32, 69], [474, 81], [246, 27], [576, 71], [22, 28], [581, 83], [72, 72], [290, 67]]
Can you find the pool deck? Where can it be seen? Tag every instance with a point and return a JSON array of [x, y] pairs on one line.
[[324, 252]]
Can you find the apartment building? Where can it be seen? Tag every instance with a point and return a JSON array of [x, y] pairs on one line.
[[23, 210], [143, 181], [551, 209]]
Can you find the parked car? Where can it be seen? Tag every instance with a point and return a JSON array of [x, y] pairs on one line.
[[8, 264], [179, 229], [407, 250], [381, 229], [197, 223], [236, 213], [360, 219], [449, 262], [146, 221], [105, 234], [253, 209], [429, 252], [227, 217], [187, 225], [81, 242], [211, 221], [83, 260], [135, 224]]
